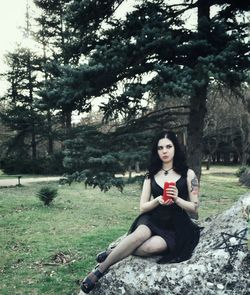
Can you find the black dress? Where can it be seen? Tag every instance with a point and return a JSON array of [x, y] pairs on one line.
[[172, 223]]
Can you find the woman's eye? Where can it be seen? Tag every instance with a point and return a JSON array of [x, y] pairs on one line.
[[167, 147]]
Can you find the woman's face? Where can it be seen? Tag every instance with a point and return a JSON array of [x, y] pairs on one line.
[[166, 150]]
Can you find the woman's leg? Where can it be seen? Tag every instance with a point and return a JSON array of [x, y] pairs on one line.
[[126, 247], [153, 245]]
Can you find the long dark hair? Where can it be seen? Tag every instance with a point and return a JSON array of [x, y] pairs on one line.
[[179, 161]]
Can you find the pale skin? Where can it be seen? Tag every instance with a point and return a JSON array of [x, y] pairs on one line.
[[141, 242]]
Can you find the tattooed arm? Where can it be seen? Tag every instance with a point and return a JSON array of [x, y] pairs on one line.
[[193, 189]]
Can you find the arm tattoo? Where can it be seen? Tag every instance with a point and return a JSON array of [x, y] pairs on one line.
[[196, 206], [195, 186]]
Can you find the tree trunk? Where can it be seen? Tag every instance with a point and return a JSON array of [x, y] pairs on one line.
[[198, 97], [49, 120], [245, 137], [67, 124], [226, 158], [244, 159], [50, 137], [137, 167], [129, 172], [33, 142], [68, 120], [209, 161], [235, 158], [33, 129], [195, 131], [218, 155]]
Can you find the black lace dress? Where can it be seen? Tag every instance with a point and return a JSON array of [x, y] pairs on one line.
[[173, 224]]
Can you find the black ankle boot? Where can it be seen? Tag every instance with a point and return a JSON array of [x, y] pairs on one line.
[[100, 257]]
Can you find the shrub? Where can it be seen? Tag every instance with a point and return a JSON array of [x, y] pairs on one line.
[[47, 194], [241, 170], [136, 179], [245, 178], [50, 165]]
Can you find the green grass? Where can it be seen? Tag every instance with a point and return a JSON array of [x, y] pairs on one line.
[[219, 189], [79, 224]]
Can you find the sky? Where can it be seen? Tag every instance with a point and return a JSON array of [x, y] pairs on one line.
[[12, 17]]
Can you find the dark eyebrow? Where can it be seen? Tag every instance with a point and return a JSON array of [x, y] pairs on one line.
[[168, 145]]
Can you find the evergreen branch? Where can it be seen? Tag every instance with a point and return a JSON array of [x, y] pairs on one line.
[[166, 108], [181, 11], [173, 128], [106, 15], [240, 4], [130, 73], [188, 5], [152, 127], [161, 115], [237, 4], [156, 114], [182, 4], [118, 5]]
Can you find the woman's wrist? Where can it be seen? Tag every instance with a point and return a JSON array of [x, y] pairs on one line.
[[177, 201], [158, 199], [186, 205]]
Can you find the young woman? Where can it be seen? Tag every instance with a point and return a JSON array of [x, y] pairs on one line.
[[163, 227]]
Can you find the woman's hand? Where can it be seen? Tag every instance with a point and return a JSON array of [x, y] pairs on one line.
[[167, 203], [172, 191]]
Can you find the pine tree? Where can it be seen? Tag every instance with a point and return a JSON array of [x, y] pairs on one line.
[[55, 37], [89, 157], [154, 39], [151, 53], [21, 113]]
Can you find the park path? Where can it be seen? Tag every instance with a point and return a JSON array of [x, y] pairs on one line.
[[24, 180]]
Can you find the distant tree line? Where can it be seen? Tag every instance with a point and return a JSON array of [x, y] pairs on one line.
[[152, 71]]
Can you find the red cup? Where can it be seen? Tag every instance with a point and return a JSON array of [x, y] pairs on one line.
[[167, 184]]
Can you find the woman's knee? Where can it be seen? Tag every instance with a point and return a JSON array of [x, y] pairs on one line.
[[151, 249], [142, 233], [153, 246]]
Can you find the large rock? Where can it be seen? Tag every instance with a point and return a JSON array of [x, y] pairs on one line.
[[213, 269]]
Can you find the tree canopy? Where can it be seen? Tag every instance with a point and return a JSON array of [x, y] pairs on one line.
[[153, 50], [154, 69]]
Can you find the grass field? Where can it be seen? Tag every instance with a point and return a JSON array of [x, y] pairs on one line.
[[48, 250]]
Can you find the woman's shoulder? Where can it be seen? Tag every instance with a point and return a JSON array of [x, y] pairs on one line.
[[147, 176], [190, 173]]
